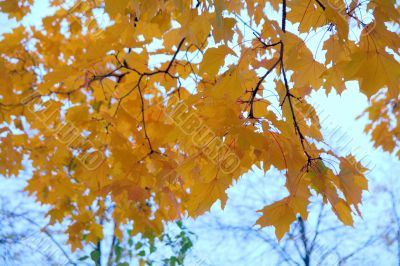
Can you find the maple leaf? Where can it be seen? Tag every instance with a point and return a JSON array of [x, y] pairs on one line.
[[281, 215], [214, 58], [204, 195]]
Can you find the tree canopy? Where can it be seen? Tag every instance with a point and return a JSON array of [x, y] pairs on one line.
[[161, 107]]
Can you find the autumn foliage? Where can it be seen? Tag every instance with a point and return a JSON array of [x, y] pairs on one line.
[[161, 108]]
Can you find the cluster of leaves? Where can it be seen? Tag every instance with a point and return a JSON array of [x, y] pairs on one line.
[[145, 249], [181, 245], [384, 114], [116, 86]]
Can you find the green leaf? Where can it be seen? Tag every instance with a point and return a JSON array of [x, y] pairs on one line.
[[138, 245], [152, 249], [180, 224], [95, 255], [118, 252], [83, 258]]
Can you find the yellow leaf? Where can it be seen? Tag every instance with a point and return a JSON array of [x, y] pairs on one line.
[[202, 196], [280, 215], [214, 59]]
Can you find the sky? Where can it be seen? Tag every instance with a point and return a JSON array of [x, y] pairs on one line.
[[342, 131]]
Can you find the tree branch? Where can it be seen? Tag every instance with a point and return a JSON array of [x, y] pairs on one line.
[[284, 15], [321, 5]]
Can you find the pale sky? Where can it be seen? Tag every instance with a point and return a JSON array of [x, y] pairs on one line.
[[254, 190]]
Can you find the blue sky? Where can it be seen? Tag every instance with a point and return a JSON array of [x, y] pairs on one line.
[[254, 190]]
